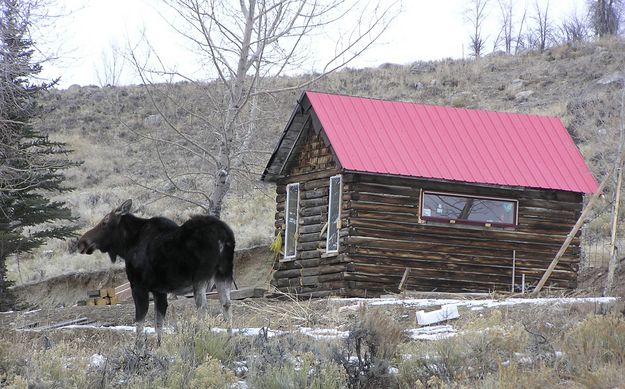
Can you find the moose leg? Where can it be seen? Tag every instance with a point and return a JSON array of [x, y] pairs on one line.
[[223, 288], [199, 294], [141, 298], [160, 306]]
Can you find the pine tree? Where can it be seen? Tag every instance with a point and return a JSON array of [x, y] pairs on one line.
[[31, 165]]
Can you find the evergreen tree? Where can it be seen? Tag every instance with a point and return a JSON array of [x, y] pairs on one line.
[[31, 165]]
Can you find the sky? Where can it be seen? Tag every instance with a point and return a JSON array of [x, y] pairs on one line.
[[84, 36]]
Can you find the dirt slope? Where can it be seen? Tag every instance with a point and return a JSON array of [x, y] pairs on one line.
[[252, 269]]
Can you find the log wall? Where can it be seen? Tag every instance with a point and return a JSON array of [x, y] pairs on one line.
[[385, 237], [312, 272]]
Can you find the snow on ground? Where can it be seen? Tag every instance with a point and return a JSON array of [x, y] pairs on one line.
[[471, 304], [317, 333], [431, 332]]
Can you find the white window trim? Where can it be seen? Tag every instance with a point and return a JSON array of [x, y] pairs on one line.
[[338, 216], [286, 221]]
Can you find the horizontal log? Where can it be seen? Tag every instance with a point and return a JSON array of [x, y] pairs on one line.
[[313, 262], [406, 218], [299, 281], [454, 261], [382, 198], [453, 232], [401, 190], [407, 209], [466, 274], [485, 248], [310, 271], [449, 282]]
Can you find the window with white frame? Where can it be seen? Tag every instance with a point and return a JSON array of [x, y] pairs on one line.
[[334, 214], [291, 214]]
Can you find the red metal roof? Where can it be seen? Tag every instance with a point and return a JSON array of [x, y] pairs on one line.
[[458, 144]]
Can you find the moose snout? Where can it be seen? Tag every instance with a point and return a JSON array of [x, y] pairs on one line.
[[86, 247]]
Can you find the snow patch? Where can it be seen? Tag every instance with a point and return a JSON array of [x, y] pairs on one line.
[[97, 360], [431, 333], [471, 304], [324, 333]]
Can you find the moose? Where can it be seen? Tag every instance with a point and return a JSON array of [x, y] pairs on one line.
[[162, 257]]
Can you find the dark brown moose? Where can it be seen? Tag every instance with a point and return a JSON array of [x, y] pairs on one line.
[[162, 257]]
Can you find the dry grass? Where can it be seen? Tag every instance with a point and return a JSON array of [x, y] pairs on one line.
[[514, 347]]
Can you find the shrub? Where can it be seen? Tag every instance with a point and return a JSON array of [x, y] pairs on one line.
[[305, 372], [434, 364], [465, 358], [596, 342], [368, 350], [513, 376], [62, 366], [211, 374], [195, 342]]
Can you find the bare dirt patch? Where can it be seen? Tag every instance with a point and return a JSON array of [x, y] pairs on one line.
[[592, 280]]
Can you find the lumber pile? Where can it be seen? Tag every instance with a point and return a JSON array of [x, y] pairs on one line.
[[105, 296]]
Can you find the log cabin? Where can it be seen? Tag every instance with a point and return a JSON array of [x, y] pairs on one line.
[[373, 193]]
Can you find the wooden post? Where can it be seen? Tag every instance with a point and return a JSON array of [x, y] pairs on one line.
[[617, 201], [575, 229], [513, 270], [613, 251], [404, 278]]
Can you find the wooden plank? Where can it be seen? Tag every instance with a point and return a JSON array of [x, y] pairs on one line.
[[404, 278], [123, 294], [82, 320], [575, 228], [237, 294]]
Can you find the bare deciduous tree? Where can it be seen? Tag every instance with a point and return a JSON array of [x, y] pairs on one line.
[[475, 15], [507, 33], [573, 29], [241, 44], [111, 66], [606, 16], [541, 34]]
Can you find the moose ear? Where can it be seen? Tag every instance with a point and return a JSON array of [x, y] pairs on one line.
[[124, 208]]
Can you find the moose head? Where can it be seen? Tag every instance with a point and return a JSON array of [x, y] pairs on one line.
[[106, 235]]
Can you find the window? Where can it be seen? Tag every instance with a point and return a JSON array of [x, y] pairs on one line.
[[291, 212], [334, 214], [468, 210]]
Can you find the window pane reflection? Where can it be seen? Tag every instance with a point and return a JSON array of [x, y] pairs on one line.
[[468, 209]]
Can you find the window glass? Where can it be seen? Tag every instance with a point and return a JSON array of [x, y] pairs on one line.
[[438, 206], [291, 212], [334, 210]]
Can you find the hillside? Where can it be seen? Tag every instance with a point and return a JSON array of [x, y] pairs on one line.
[[107, 127]]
